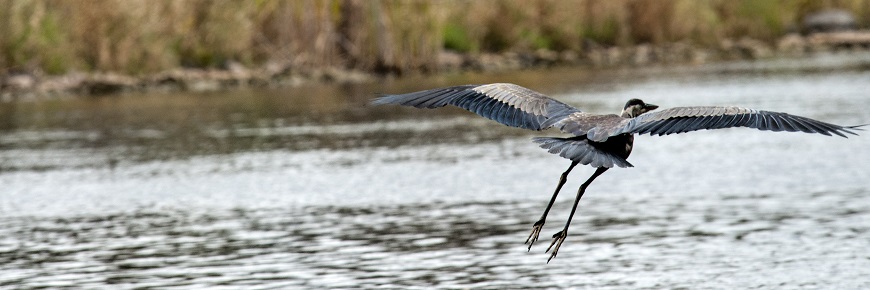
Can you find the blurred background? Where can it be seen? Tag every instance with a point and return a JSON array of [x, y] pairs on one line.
[[231, 144], [141, 38]]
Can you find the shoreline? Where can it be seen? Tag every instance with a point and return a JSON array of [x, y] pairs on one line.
[[34, 86]]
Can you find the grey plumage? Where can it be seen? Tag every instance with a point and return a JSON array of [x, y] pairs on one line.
[[601, 141], [581, 150], [685, 119], [508, 104]]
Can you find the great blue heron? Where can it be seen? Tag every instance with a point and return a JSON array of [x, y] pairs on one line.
[[601, 141]]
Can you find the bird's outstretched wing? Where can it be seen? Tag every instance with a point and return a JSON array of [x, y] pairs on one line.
[[685, 119], [508, 104]]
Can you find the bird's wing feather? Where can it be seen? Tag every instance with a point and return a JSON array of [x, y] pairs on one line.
[[509, 104], [595, 127], [580, 149], [685, 119]]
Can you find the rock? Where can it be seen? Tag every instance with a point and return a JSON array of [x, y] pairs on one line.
[[747, 48], [337, 75], [202, 85], [605, 56], [791, 43], [101, 84], [700, 56], [595, 57], [276, 69], [829, 20], [18, 82], [546, 56], [235, 67], [355, 76], [236, 74], [61, 84], [642, 55], [679, 52], [569, 56], [845, 39]]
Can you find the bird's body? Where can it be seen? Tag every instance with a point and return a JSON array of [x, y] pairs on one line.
[[601, 141]]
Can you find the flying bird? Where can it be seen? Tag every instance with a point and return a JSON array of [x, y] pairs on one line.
[[600, 141]]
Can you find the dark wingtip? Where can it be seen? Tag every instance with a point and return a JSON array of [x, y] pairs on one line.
[[857, 127], [848, 130]]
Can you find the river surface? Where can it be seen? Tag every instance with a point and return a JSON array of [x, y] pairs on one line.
[[311, 188]]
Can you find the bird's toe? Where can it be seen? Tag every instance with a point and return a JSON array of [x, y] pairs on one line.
[[536, 231], [558, 239]]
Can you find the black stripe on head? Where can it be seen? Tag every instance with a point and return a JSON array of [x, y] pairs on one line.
[[633, 102]]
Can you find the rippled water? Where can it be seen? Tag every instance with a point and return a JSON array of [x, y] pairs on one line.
[[309, 188]]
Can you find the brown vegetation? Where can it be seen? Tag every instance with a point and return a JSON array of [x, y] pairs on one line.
[[146, 36]]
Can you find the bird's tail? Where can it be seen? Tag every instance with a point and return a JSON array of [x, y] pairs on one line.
[[581, 150]]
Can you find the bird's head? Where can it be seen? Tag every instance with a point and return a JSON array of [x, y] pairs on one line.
[[635, 107]]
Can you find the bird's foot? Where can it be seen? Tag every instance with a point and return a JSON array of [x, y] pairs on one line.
[[536, 230], [558, 239]]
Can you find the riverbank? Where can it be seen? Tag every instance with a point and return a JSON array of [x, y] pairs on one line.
[[28, 86]]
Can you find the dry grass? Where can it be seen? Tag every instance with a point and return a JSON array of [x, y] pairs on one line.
[[142, 36]]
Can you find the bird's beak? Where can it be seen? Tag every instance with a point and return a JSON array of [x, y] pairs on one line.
[[651, 107]]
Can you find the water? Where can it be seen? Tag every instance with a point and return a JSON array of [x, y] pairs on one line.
[[309, 188]]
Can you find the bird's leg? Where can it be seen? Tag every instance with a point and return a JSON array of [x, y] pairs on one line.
[[536, 228], [560, 237]]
